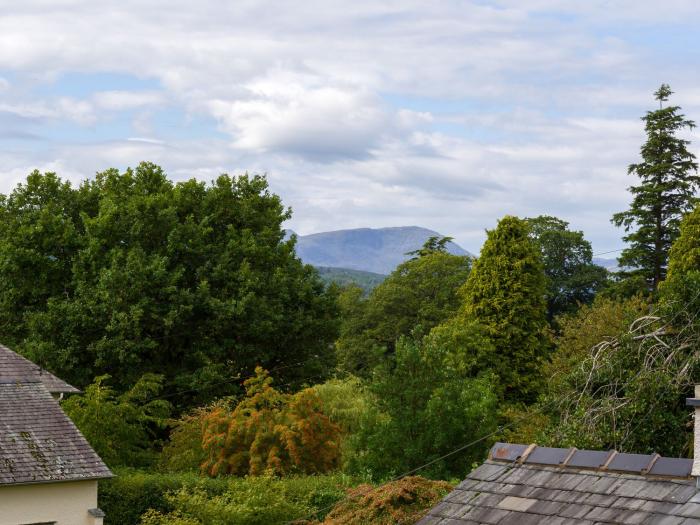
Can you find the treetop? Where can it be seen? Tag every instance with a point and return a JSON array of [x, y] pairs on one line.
[[663, 93]]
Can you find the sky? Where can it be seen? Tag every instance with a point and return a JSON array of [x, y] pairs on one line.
[[442, 114]]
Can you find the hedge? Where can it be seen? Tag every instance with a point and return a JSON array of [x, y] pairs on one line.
[[131, 493]]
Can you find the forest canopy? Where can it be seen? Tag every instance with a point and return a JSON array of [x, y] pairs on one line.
[[131, 273]]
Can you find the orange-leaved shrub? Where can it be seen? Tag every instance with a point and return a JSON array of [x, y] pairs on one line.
[[401, 501], [270, 433]]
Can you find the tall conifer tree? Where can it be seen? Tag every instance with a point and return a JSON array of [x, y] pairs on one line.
[[506, 292], [669, 180]]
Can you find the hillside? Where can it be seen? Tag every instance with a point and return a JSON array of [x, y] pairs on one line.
[[344, 276], [378, 250]]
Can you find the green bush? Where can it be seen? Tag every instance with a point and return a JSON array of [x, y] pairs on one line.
[[122, 428], [187, 498], [131, 493]]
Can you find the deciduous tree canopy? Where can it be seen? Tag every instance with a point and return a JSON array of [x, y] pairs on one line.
[[420, 292], [572, 278], [131, 273]]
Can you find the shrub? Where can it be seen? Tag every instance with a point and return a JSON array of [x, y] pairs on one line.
[[132, 492], [403, 501], [184, 451], [121, 428], [270, 433], [176, 499]]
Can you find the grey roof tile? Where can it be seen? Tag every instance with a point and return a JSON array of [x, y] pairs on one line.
[[630, 487], [489, 471], [461, 496], [660, 507], [604, 514], [689, 510], [522, 518], [547, 507], [628, 503], [507, 492], [485, 515], [38, 442], [600, 500], [430, 520], [665, 520], [575, 510], [656, 490], [633, 516], [17, 369]]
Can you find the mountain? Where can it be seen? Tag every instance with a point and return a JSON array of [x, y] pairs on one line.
[[608, 264], [378, 250]]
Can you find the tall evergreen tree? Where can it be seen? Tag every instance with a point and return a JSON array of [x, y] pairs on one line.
[[506, 292], [669, 180]]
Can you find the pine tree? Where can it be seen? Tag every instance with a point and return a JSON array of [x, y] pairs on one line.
[[506, 293], [669, 180]]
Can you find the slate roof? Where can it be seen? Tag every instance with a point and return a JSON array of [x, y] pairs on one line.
[[38, 442], [523, 485], [14, 367]]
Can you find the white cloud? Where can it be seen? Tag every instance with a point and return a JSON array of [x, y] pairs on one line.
[[124, 100], [447, 114]]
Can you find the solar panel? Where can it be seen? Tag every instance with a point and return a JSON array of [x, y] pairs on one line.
[[507, 451], [548, 456], [630, 462], [588, 458], [680, 467]]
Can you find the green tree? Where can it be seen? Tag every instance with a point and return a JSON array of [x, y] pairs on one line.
[[431, 406], [619, 379], [506, 293], [122, 428], [669, 181], [684, 256], [40, 231], [434, 244], [420, 292], [131, 273], [567, 256]]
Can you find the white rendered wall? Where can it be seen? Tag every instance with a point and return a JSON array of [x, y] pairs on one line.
[[66, 503]]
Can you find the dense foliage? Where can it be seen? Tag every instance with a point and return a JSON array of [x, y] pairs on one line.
[[253, 500], [668, 183], [130, 273], [431, 406], [122, 428], [343, 277], [269, 432], [506, 293], [567, 257], [402, 501], [168, 302], [421, 292]]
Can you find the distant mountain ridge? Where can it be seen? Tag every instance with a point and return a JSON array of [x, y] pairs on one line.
[[376, 250]]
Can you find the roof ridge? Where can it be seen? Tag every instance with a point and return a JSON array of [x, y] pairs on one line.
[[16, 368], [653, 465]]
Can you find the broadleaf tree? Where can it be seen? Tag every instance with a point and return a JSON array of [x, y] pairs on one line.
[[572, 277], [668, 184], [420, 292], [131, 273]]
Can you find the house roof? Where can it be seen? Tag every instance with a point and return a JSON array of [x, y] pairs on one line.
[[14, 367], [526, 484], [38, 442]]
